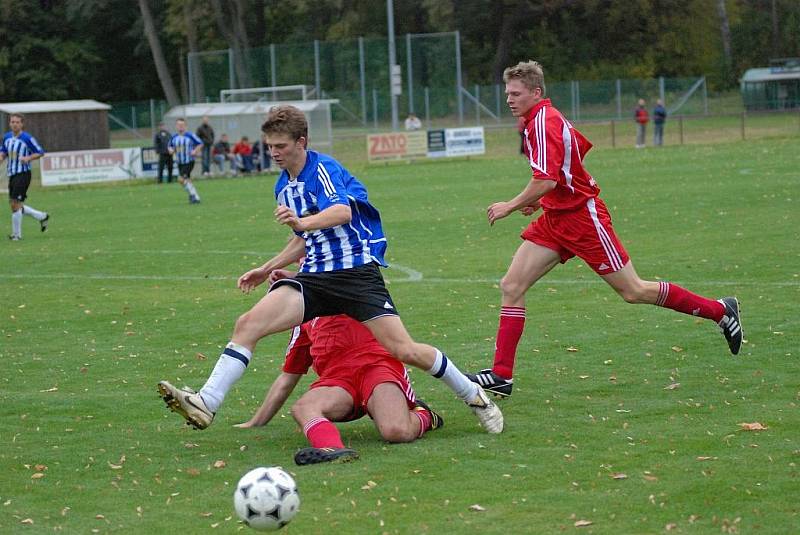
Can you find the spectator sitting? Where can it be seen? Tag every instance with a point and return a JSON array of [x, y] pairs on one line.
[[413, 122], [243, 153], [222, 152], [262, 159]]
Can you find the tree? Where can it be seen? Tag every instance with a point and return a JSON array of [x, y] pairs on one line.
[[160, 61], [232, 27]]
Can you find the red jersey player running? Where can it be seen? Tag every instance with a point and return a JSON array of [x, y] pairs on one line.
[[574, 222], [357, 376]]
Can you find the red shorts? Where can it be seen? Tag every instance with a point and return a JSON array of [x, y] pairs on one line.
[[585, 232], [362, 382]]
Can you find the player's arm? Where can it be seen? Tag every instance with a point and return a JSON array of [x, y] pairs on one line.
[[276, 396], [332, 216], [529, 197], [293, 250], [198, 148]]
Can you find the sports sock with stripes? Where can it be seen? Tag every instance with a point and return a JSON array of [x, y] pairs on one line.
[[682, 300], [229, 368], [509, 331], [425, 421], [321, 433], [449, 373], [33, 212]]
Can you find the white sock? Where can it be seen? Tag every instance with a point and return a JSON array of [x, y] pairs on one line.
[[229, 368], [33, 212], [191, 189], [16, 223], [448, 372]]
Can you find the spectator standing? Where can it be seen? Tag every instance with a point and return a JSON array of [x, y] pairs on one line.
[[20, 149], [206, 134], [244, 155], [413, 122], [642, 117], [161, 143], [222, 153], [659, 118]]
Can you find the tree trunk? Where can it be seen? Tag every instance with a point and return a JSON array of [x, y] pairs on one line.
[[502, 51], [725, 30], [158, 55], [229, 29], [195, 66], [776, 31]]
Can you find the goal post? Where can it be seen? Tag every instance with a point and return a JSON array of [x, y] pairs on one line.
[[266, 94]]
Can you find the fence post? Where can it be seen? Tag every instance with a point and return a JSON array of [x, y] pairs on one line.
[[231, 73], [743, 115], [409, 74], [427, 107], [375, 108], [273, 68], [705, 96], [619, 99], [477, 107], [661, 88], [458, 78], [497, 100], [152, 117], [613, 134], [578, 99], [317, 89], [680, 128], [361, 72], [133, 117]]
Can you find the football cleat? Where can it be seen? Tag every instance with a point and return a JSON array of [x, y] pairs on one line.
[[731, 324], [324, 455], [487, 412], [491, 382], [187, 403], [436, 420], [14, 237], [43, 222]]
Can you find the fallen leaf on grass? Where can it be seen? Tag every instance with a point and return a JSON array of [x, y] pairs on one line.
[[37, 475], [672, 386], [219, 464], [193, 471], [200, 356], [572, 349], [619, 475], [476, 507], [677, 349], [26, 521], [369, 486], [704, 458], [583, 523], [54, 389], [755, 426], [40, 467]]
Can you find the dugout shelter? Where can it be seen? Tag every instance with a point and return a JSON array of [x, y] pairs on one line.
[[774, 88], [237, 119], [62, 125]]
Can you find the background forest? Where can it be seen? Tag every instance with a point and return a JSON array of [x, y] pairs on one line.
[[115, 50]]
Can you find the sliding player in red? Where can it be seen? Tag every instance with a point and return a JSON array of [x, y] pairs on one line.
[[357, 376], [574, 222]]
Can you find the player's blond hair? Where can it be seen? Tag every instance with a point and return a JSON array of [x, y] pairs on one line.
[[286, 120], [529, 72]]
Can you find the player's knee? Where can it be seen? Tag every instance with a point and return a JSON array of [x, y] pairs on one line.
[[395, 432], [511, 288], [634, 294]]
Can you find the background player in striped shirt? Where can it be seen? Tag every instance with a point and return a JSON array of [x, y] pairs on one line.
[[185, 147], [20, 148], [357, 376], [340, 234], [575, 222]]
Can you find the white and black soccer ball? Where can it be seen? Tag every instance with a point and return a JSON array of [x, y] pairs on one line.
[[266, 498]]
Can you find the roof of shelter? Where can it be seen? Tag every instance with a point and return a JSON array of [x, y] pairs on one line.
[[53, 106], [221, 109], [770, 75]]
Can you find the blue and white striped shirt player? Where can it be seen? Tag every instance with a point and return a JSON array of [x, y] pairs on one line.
[[322, 183], [16, 147], [184, 144]]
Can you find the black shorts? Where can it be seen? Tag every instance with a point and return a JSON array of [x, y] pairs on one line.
[[18, 186], [185, 169], [358, 292]]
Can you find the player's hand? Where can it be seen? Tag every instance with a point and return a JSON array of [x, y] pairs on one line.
[[496, 211], [286, 216], [529, 210], [247, 425], [248, 282], [279, 274], [25, 159]]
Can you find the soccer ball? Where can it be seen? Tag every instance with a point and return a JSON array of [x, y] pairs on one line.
[[266, 498]]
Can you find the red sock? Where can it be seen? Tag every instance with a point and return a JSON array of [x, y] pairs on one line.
[[321, 433], [682, 300], [425, 421], [509, 331]]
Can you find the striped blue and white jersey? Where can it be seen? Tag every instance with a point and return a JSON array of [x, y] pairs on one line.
[[184, 144], [322, 183], [15, 147]]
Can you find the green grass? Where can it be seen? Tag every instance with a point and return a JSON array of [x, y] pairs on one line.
[[132, 285]]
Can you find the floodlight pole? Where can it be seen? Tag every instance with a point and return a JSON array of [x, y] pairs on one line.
[[392, 60]]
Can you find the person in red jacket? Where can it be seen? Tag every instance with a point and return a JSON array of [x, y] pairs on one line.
[[243, 152], [574, 222], [642, 117]]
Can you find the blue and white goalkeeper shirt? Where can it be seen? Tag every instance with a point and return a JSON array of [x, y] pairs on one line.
[[184, 145], [322, 183], [15, 147]]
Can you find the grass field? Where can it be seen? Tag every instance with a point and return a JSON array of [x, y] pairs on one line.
[[624, 416]]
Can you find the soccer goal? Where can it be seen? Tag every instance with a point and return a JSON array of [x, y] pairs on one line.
[[280, 93]]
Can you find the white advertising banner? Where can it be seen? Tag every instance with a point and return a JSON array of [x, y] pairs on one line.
[[464, 141], [87, 166]]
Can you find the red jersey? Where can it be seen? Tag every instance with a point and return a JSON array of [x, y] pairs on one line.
[[555, 151], [334, 345]]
